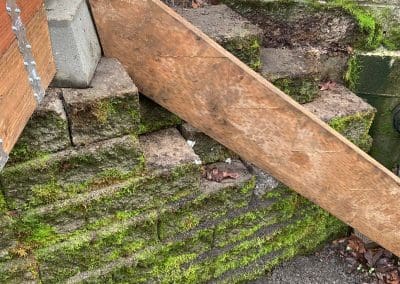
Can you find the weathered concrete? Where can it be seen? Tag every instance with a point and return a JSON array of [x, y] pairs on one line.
[[228, 28], [166, 149], [376, 73], [346, 113], [109, 108], [76, 48], [58, 176], [46, 132], [280, 63]]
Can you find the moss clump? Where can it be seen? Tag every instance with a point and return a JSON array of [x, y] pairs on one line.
[[355, 128], [301, 90], [153, 117], [3, 205], [247, 49], [45, 133], [64, 174], [352, 74]]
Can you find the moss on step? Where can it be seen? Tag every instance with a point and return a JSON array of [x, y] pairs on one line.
[[64, 174], [247, 49], [367, 36], [150, 191], [302, 90], [355, 128], [46, 132], [153, 117]]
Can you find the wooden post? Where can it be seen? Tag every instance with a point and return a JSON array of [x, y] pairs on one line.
[[182, 69]]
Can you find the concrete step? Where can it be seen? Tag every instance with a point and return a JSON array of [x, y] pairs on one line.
[[299, 71], [76, 48], [58, 176], [108, 108], [46, 132], [326, 25], [229, 29]]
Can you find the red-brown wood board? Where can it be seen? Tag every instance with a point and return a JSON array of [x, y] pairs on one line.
[[28, 9], [17, 102], [182, 69]]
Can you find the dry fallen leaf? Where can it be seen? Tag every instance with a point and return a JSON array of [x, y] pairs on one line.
[[218, 175], [329, 85]]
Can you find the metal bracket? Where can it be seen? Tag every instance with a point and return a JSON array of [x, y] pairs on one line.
[[26, 49], [3, 156]]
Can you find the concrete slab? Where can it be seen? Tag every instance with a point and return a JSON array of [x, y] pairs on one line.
[[76, 47], [108, 109]]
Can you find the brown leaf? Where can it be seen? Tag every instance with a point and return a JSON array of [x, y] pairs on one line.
[[329, 85], [215, 174]]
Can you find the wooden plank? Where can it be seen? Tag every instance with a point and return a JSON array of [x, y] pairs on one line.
[[28, 10], [16, 95], [185, 71]]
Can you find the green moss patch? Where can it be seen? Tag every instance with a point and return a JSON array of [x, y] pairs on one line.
[[301, 90], [247, 49], [153, 117], [355, 128]]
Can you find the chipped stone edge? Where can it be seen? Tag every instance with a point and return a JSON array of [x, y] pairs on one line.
[[3, 156]]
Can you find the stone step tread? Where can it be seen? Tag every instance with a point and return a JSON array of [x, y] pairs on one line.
[[302, 62], [109, 108], [220, 22], [338, 102], [57, 175]]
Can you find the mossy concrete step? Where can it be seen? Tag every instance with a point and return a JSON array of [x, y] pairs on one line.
[[229, 29], [46, 132], [375, 73], [58, 176], [108, 109], [331, 25], [345, 112], [256, 240], [128, 231], [299, 71]]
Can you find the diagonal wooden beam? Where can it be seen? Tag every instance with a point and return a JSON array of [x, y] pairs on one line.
[[185, 71]]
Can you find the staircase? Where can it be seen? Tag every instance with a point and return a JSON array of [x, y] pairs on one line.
[[105, 186]]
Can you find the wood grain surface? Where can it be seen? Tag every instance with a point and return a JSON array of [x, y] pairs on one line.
[[28, 10], [182, 69], [16, 95]]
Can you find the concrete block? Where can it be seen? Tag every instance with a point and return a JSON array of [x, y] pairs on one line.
[[109, 108], [154, 117], [76, 48], [375, 73], [46, 132], [299, 71], [346, 113], [228, 28]]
